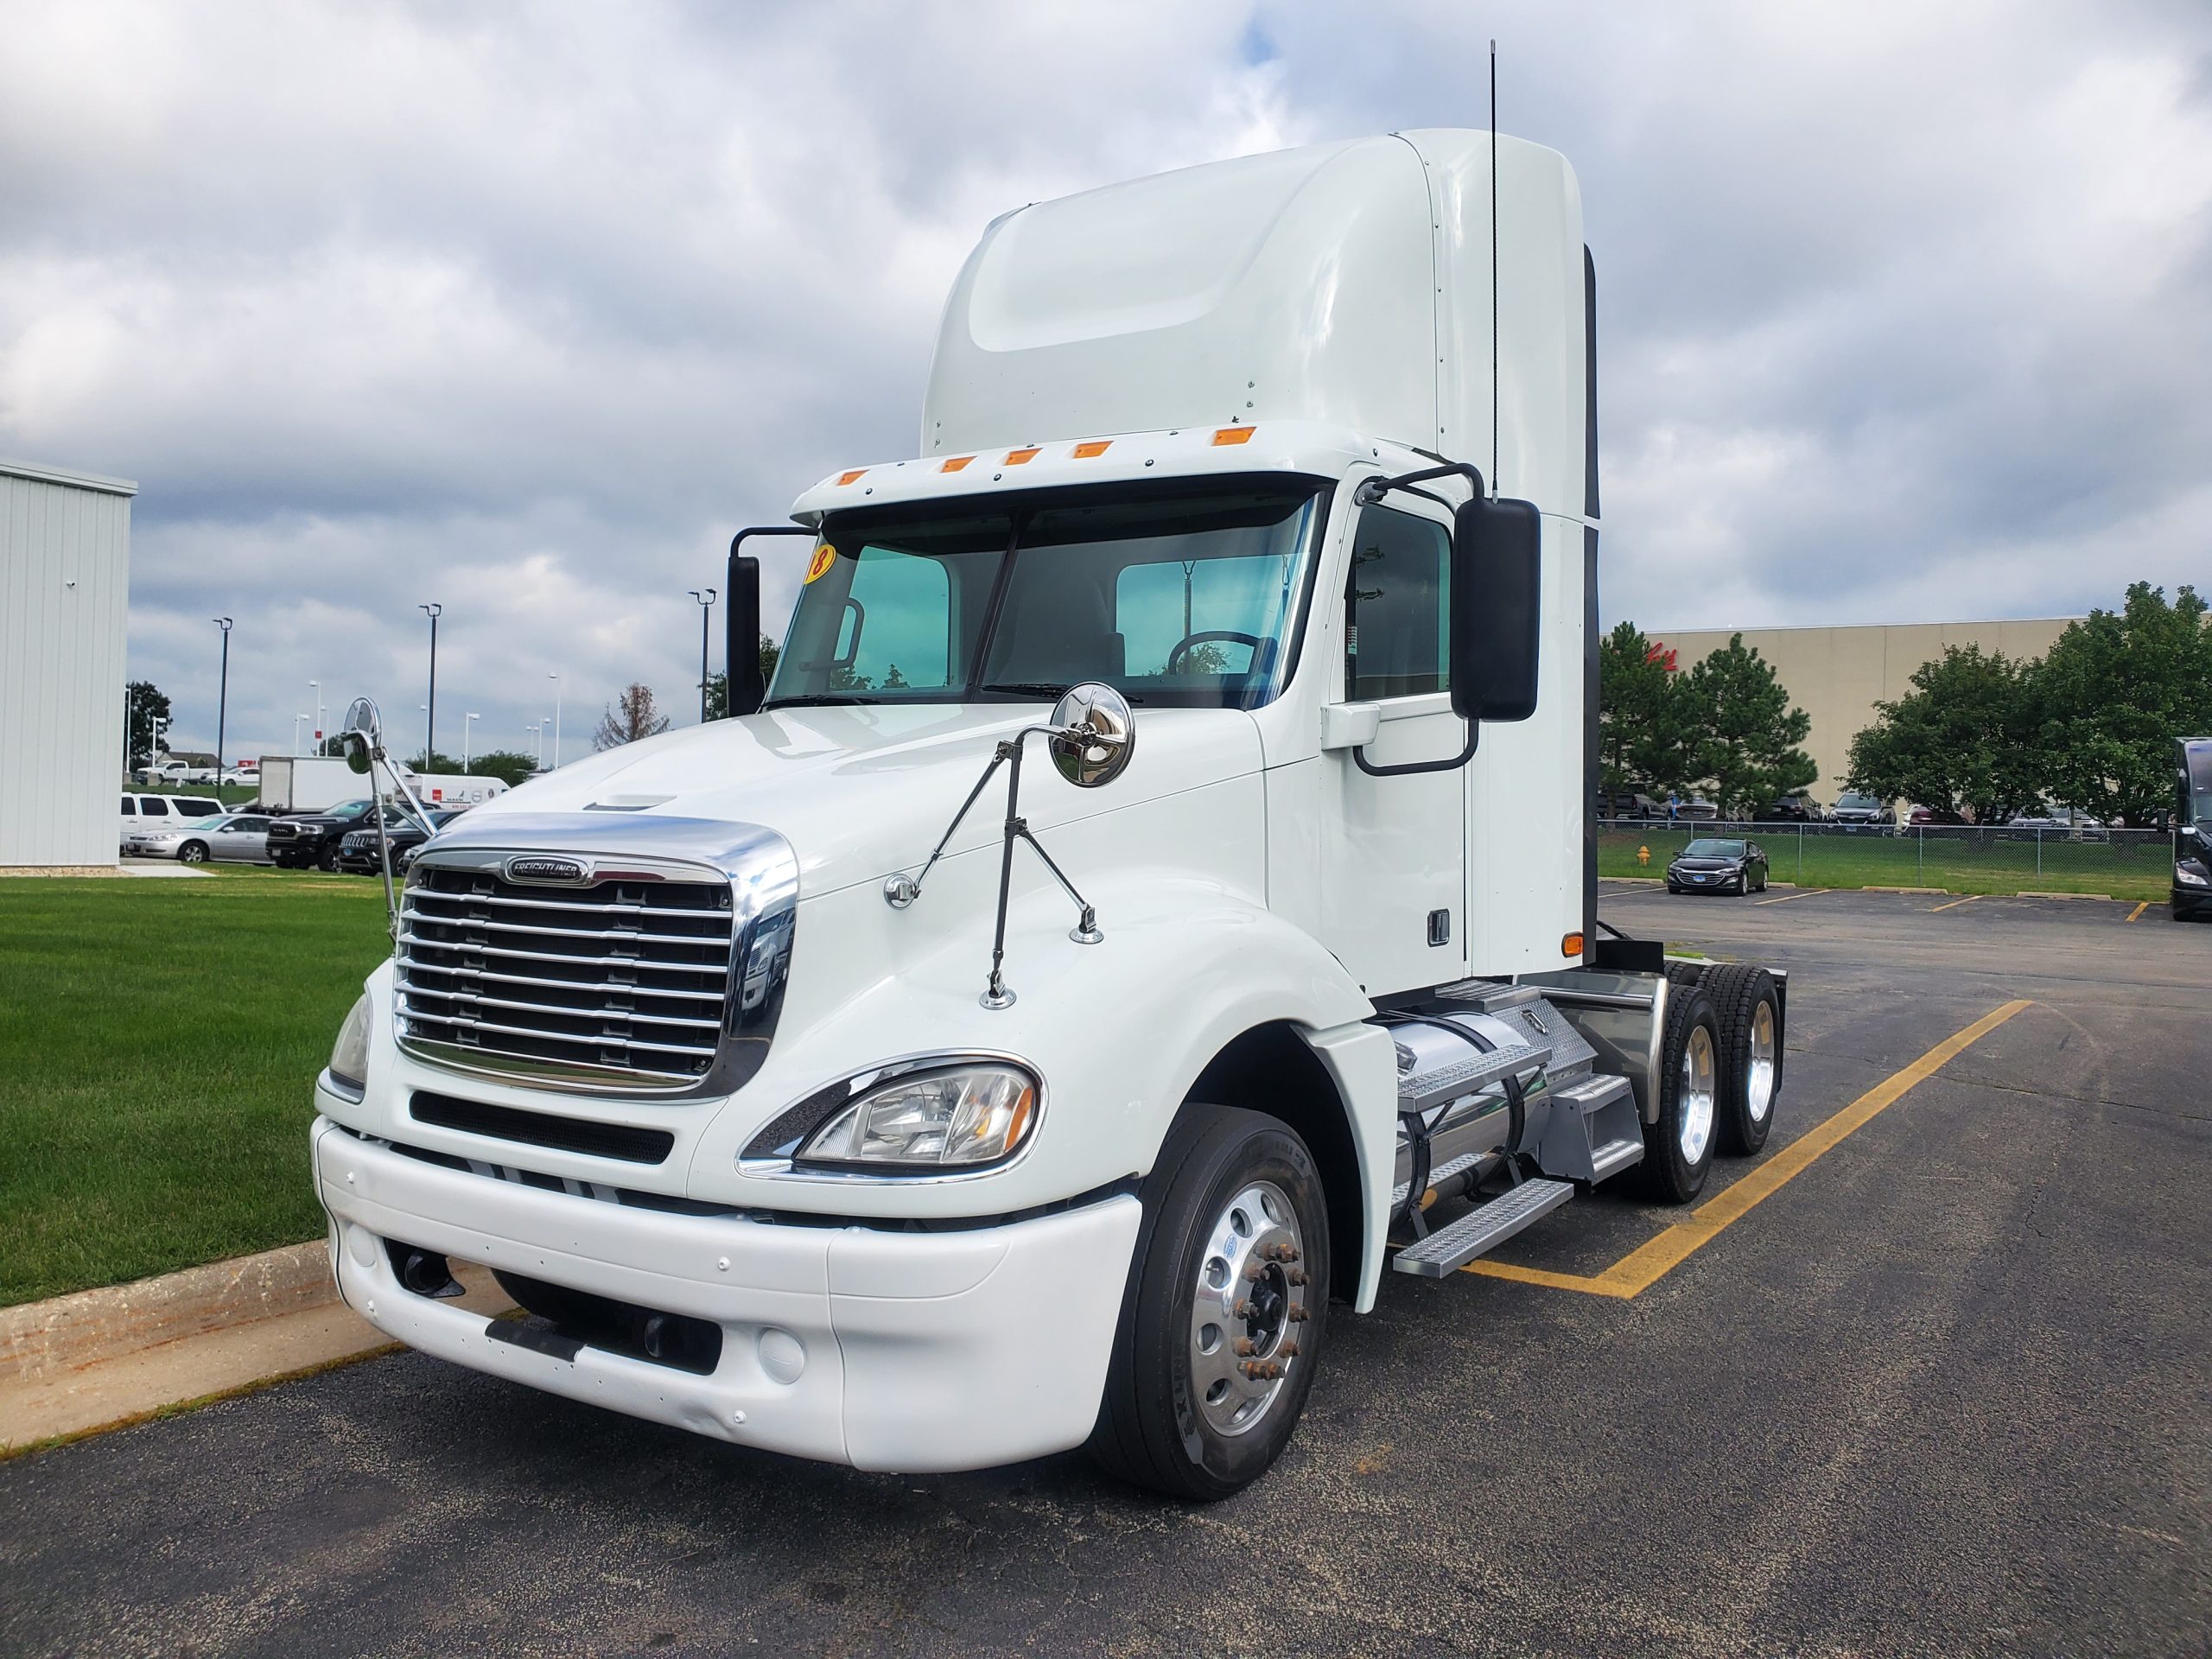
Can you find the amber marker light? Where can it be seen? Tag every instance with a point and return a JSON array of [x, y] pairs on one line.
[[1091, 447], [1019, 457], [955, 463], [1234, 435], [851, 477], [1570, 945]]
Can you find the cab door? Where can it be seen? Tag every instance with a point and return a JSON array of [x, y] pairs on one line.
[[1393, 847]]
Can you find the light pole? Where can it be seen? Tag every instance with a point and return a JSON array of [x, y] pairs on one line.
[[538, 732], [154, 738], [296, 719], [555, 679], [706, 598], [430, 708], [316, 686], [467, 726], [222, 703]]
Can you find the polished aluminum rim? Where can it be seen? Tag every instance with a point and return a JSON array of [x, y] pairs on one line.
[[1251, 1303], [1759, 1088], [1695, 1089]]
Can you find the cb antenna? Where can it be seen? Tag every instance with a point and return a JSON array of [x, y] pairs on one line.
[[1493, 269]]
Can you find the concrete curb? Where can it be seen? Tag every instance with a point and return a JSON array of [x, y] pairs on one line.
[[2031, 893], [39, 1338]]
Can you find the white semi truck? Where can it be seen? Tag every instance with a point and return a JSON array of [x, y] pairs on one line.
[[820, 1080]]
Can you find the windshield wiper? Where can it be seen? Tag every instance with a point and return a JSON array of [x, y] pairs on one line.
[[1050, 690], [817, 700]]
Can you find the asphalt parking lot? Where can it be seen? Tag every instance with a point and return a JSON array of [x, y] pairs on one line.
[[1947, 1389]]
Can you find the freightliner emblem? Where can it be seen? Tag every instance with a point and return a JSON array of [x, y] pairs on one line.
[[538, 867]]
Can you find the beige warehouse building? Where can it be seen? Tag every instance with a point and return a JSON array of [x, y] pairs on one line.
[[1838, 675]]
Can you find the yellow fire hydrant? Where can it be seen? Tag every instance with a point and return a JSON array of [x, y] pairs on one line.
[[1643, 855]]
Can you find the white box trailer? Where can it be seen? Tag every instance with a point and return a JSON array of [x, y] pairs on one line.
[[308, 782], [811, 1122]]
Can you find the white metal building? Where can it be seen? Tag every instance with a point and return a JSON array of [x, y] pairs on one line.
[[65, 592]]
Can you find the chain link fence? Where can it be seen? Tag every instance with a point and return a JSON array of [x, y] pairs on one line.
[[1999, 858]]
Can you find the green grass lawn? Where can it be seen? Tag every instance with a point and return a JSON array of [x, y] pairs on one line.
[[2129, 865], [158, 1042]]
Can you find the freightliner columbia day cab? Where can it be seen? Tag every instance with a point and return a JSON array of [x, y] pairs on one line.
[[823, 1080]]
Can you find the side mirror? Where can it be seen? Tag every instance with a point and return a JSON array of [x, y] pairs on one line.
[[362, 732], [1099, 734], [1497, 609]]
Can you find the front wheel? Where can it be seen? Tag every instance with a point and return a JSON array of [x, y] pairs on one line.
[[191, 853], [1222, 1318], [327, 861]]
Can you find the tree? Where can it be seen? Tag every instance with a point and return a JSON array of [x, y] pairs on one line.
[[629, 717], [2111, 697], [1962, 740], [1744, 731], [509, 766], [718, 685], [144, 703], [1641, 740]]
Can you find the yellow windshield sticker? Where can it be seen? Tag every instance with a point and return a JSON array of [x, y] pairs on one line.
[[824, 556]]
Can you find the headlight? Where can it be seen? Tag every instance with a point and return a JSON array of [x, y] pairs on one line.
[[349, 1055], [2189, 878], [959, 1116]]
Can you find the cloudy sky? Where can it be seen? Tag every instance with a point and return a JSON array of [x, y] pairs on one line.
[[1906, 309]]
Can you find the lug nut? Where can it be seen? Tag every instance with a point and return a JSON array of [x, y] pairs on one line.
[[1246, 1348], [1243, 1310], [1288, 1350], [1296, 1275], [1254, 1272], [1299, 1316]]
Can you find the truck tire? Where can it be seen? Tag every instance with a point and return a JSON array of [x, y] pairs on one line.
[[1749, 1015], [1678, 1149], [327, 861], [1220, 1329]]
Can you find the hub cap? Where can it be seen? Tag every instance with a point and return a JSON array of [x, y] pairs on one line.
[[1695, 1090], [1252, 1298], [1759, 1085]]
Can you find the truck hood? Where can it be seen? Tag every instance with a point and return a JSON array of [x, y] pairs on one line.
[[859, 793]]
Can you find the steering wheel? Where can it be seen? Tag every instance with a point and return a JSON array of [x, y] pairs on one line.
[[1191, 642]]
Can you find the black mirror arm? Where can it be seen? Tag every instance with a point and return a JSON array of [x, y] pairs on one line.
[[1375, 489], [1450, 763]]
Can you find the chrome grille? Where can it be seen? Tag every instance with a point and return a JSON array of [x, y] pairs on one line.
[[622, 982]]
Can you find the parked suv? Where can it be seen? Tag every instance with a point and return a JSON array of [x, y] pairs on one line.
[[357, 848], [307, 838], [1627, 804], [1862, 812], [1793, 808], [154, 812]]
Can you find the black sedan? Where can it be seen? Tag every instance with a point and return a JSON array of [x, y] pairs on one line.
[[356, 851], [1714, 866]]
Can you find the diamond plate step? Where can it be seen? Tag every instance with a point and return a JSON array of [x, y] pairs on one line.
[[1443, 1172], [1449, 1249], [1615, 1156]]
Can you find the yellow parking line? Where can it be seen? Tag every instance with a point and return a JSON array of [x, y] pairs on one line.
[[1955, 903], [1802, 892], [2139, 910], [1647, 1264]]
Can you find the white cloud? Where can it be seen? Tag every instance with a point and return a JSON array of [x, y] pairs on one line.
[[1904, 308]]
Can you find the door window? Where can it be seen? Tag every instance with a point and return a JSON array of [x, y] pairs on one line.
[[130, 807], [152, 807], [1397, 608]]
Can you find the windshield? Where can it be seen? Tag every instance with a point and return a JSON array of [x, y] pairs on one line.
[[1856, 803], [2196, 766], [1706, 849], [1180, 598]]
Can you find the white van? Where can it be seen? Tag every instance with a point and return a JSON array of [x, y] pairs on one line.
[[142, 813]]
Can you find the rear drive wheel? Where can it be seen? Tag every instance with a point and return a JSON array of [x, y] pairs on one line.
[[1222, 1318], [1678, 1149], [192, 852], [1749, 1011]]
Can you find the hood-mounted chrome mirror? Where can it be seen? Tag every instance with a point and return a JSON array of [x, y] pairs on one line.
[[362, 732], [1091, 736], [1096, 737]]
